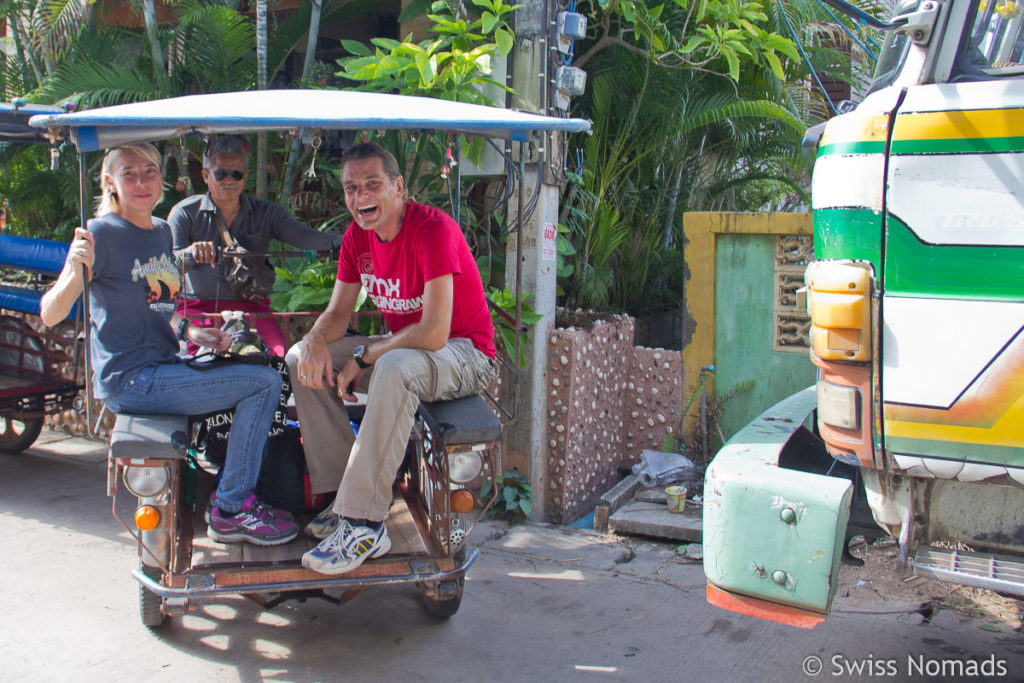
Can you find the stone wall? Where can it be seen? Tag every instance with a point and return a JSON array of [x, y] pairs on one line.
[[608, 400]]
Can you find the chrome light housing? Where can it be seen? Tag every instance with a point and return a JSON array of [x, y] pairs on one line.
[[465, 466], [146, 482]]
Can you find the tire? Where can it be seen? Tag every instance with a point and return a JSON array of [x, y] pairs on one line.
[[17, 435], [447, 607], [151, 604], [442, 609]]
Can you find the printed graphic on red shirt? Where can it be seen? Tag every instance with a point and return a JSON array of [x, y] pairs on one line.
[[365, 264], [386, 295]]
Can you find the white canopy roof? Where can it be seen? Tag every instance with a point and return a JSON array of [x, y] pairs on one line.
[[270, 110]]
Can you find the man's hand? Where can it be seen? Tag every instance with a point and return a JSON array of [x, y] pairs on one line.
[[348, 380], [209, 338], [203, 252], [315, 363]]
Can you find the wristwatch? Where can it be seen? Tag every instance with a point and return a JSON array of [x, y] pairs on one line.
[[357, 354], [183, 329]]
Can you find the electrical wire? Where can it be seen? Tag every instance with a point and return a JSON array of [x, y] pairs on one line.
[[807, 59], [847, 31], [531, 204]]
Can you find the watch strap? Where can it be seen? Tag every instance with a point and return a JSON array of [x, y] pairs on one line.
[[357, 356]]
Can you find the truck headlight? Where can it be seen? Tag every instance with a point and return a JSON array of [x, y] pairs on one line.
[[146, 482], [838, 405]]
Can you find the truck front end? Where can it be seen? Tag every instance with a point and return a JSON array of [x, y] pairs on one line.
[[916, 302]]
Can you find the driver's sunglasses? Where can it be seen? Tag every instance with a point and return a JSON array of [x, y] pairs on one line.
[[221, 174]]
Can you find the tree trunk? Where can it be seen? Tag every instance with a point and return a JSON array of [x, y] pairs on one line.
[[24, 48], [674, 196], [155, 49], [261, 62]]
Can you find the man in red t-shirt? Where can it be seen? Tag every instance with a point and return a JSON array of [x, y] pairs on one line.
[[416, 267]]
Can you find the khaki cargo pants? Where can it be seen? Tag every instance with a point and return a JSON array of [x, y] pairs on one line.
[[363, 468]]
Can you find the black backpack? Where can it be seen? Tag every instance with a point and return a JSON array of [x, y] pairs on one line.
[[284, 478]]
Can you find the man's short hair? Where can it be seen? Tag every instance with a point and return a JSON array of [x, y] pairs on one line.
[[368, 150], [225, 144]]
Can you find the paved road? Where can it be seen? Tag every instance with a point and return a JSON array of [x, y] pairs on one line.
[[541, 604]]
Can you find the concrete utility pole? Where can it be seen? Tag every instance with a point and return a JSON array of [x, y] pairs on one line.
[[526, 443]]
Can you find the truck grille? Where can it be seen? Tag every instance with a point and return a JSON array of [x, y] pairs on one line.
[[983, 570]]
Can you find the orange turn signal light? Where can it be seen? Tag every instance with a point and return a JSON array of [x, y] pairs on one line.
[[462, 501], [147, 517]]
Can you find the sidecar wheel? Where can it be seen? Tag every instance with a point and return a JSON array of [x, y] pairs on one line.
[[447, 606], [20, 347], [150, 603], [17, 435]]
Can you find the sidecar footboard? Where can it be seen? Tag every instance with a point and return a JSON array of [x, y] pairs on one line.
[[211, 582]]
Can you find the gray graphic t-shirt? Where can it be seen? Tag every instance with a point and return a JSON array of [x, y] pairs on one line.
[[133, 294]]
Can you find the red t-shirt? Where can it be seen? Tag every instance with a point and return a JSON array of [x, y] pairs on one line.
[[429, 245]]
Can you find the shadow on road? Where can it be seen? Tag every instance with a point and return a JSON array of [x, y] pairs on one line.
[[62, 490]]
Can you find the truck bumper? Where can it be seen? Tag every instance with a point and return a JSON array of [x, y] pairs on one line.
[[773, 536]]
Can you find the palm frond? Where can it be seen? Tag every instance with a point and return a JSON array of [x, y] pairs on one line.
[[220, 50], [90, 84], [56, 23], [760, 109]]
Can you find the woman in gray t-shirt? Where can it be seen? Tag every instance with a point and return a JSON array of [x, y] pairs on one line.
[[133, 292]]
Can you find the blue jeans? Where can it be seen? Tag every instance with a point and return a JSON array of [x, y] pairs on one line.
[[176, 389]]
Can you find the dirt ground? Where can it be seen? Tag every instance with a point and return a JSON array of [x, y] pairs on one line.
[[881, 585]]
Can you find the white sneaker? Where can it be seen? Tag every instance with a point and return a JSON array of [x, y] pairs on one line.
[[324, 524], [347, 548]]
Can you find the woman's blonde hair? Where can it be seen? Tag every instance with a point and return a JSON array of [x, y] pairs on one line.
[[108, 200]]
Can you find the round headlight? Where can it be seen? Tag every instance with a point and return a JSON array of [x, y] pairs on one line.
[[465, 466], [146, 482]]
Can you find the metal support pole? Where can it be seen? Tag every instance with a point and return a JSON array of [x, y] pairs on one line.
[[83, 213], [520, 223], [457, 171]]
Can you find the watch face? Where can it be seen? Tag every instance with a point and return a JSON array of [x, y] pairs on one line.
[[357, 354]]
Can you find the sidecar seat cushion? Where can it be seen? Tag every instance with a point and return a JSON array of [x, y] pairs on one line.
[[149, 436], [462, 421]]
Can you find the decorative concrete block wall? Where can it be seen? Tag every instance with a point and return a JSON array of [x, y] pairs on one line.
[[607, 402], [655, 397]]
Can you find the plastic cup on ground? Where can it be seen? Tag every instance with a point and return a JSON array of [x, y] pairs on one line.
[[675, 498]]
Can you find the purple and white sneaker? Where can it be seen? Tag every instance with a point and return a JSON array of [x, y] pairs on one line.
[[254, 523], [279, 513]]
